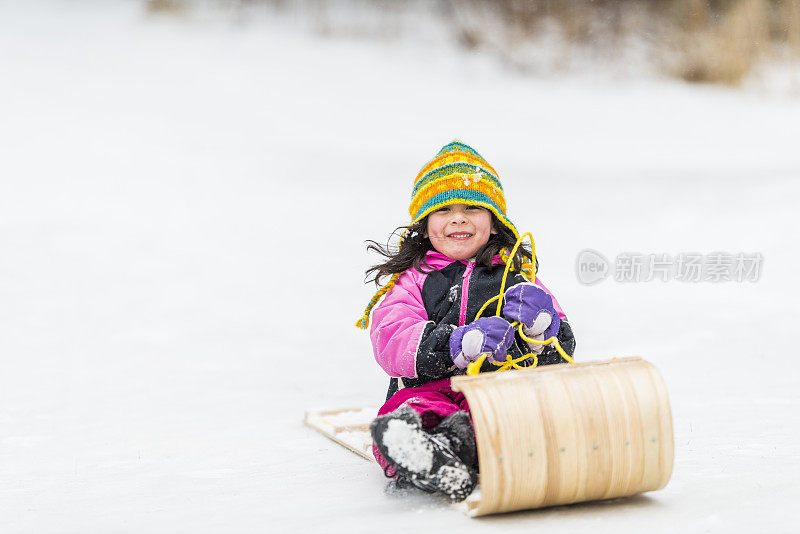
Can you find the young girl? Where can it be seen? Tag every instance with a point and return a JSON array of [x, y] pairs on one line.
[[450, 261]]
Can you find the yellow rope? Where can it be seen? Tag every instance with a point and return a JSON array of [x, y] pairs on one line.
[[509, 264], [486, 305], [513, 363], [552, 340]]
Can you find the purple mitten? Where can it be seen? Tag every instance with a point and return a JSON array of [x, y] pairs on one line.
[[529, 304], [487, 334]]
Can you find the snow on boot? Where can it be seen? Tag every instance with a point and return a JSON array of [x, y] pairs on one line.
[[425, 461], [460, 434]]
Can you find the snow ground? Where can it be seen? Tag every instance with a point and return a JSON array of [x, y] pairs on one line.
[[182, 215]]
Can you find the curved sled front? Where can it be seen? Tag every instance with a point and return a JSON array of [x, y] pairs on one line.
[[562, 434]]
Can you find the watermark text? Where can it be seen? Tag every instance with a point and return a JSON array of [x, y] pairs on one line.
[[692, 267]]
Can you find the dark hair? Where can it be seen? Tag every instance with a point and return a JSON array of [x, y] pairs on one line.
[[411, 250]]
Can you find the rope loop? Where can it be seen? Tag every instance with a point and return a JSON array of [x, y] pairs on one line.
[[474, 368]]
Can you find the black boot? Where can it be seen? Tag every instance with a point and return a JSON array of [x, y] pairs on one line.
[[457, 429], [424, 460]]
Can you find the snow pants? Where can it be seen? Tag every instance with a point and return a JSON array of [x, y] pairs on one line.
[[433, 401]]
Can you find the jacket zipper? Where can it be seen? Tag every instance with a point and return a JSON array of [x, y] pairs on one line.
[[462, 317]]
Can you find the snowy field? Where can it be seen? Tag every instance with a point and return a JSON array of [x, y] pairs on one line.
[[183, 207]]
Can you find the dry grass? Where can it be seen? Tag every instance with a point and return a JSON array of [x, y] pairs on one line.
[[165, 7], [707, 41], [716, 41], [719, 45]]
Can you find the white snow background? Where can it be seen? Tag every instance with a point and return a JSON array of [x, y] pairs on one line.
[[183, 206]]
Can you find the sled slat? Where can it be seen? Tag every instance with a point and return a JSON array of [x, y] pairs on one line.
[[349, 427]]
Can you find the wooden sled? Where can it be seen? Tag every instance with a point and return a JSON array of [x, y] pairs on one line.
[[553, 435], [562, 434]]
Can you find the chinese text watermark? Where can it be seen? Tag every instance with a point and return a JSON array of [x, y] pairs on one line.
[[592, 267]]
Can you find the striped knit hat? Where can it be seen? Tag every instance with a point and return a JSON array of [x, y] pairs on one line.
[[458, 175]]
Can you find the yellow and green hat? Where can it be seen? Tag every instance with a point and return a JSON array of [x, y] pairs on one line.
[[458, 175]]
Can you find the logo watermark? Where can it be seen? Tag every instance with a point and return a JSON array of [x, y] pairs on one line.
[[592, 267]]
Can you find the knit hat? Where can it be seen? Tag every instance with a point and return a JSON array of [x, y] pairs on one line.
[[458, 175]]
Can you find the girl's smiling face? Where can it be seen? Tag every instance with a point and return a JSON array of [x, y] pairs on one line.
[[459, 231]]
